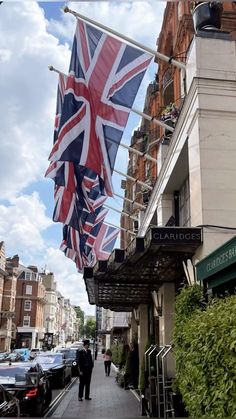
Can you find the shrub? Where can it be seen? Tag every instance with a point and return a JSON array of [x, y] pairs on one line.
[[205, 350], [119, 354]]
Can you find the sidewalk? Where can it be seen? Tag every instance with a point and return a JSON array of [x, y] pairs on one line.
[[108, 399]]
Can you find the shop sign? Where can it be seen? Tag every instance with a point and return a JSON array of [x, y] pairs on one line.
[[218, 260], [177, 236]]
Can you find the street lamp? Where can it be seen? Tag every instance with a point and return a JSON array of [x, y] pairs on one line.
[[48, 320]]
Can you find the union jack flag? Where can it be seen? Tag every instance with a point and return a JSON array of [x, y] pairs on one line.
[[105, 241], [78, 190], [76, 245], [104, 78], [102, 246]]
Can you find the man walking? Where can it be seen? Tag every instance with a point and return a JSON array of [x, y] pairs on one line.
[[85, 363]]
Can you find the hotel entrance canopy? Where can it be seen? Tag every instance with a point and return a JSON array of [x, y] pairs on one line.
[[127, 278]]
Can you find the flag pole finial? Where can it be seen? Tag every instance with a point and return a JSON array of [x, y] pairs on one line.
[[50, 67], [65, 9]]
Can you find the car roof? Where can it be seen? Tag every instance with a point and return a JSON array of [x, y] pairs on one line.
[[17, 364]]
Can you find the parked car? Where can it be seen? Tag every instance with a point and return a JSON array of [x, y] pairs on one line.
[[24, 352], [29, 384], [57, 365], [34, 352], [76, 345], [70, 355], [13, 357], [3, 355]]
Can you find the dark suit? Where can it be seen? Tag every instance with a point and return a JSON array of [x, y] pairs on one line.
[[85, 362]]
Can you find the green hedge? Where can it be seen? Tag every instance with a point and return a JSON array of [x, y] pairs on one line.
[[205, 350], [119, 354]]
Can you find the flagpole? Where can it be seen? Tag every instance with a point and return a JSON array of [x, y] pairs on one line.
[[163, 57], [121, 228], [130, 200], [142, 114], [133, 179], [133, 150], [152, 119], [121, 212]]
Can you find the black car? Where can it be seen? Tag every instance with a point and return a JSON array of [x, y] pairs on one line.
[[58, 367], [70, 355], [29, 384]]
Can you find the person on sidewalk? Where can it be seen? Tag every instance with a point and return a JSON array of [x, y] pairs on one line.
[[107, 361], [133, 366], [85, 363]]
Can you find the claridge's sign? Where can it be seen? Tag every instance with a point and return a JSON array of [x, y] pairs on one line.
[[177, 235], [217, 261]]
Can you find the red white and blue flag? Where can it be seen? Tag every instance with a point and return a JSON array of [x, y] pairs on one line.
[[93, 105], [102, 246], [103, 81]]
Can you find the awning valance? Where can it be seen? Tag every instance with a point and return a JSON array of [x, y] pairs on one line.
[[127, 278]]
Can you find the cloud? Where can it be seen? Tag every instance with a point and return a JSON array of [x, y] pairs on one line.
[[137, 20], [22, 222], [69, 282], [28, 44], [28, 92]]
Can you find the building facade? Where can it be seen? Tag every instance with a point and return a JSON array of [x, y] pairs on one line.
[[7, 301], [191, 208], [30, 303]]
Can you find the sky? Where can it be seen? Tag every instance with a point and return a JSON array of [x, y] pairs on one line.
[[34, 35]]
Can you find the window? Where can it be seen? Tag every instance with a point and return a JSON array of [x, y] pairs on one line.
[[147, 169], [26, 321], [27, 305], [28, 275], [28, 289]]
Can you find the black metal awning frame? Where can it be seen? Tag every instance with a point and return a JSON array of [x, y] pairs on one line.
[[128, 277]]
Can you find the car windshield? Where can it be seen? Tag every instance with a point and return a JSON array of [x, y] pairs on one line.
[[12, 371], [49, 359], [70, 354]]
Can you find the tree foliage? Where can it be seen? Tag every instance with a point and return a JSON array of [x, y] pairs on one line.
[[80, 316], [205, 350], [90, 328]]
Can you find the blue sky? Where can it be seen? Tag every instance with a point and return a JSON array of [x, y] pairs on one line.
[[34, 35]]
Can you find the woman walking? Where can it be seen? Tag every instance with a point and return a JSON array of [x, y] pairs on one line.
[[107, 361]]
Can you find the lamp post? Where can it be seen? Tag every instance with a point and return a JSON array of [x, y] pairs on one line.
[[47, 320]]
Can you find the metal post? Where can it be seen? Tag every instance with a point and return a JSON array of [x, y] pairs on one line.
[[159, 382], [168, 348]]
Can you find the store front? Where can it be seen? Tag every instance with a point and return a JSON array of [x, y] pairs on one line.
[[217, 271], [153, 263]]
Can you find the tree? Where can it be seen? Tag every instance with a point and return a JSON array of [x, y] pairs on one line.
[[90, 328], [80, 316]]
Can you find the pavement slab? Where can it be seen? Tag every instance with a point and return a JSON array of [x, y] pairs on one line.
[[109, 400]]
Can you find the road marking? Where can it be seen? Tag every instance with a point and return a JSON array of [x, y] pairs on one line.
[[55, 403]]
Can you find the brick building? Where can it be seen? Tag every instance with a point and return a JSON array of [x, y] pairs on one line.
[[191, 209], [7, 300], [30, 302]]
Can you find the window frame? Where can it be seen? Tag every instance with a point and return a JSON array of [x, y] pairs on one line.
[[28, 287], [30, 305], [25, 319]]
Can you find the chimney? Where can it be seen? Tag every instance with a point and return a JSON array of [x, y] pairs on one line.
[[15, 261]]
